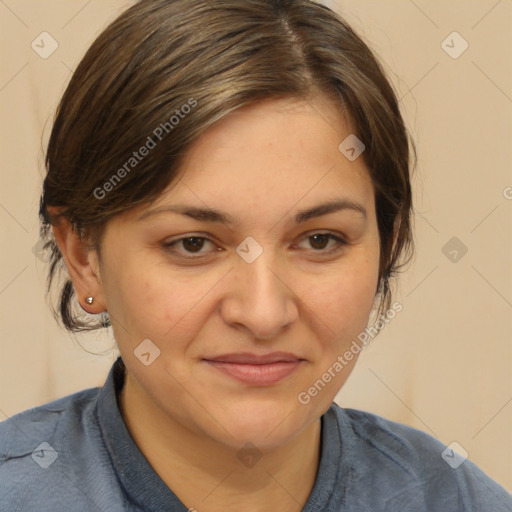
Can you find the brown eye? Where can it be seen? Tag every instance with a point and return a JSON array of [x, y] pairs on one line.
[[319, 242], [193, 244], [188, 246]]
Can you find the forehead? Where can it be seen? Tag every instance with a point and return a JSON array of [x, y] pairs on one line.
[[275, 154]]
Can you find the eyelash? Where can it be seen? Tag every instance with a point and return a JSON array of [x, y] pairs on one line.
[[340, 243]]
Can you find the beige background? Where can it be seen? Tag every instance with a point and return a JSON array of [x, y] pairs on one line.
[[443, 365]]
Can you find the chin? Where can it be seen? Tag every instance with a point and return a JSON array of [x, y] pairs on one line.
[[265, 425]]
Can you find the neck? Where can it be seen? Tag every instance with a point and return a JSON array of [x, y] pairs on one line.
[[210, 477]]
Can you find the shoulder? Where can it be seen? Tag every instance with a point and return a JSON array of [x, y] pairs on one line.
[[44, 452], [413, 465], [19, 432]]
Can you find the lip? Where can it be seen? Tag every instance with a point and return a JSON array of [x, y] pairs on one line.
[[257, 370]]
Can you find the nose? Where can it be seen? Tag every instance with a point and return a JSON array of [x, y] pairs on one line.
[[259, 298]]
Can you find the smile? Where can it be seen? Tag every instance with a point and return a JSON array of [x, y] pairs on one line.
[[256, 370]]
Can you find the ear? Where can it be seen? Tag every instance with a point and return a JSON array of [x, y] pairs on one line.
[[82, 263]]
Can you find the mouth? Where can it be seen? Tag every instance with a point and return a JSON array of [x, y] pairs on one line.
[[256, 370]]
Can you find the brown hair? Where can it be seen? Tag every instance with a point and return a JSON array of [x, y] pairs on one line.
[[172, 68]]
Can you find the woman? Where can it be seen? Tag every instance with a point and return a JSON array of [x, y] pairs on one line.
[[228, 187]]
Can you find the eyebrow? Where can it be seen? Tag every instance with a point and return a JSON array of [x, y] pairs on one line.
[[212, 215]]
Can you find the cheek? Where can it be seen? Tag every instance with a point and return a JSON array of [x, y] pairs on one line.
[[136, 300], [163, 305], [344, 299]]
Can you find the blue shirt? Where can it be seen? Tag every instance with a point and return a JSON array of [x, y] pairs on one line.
[[76, 454]]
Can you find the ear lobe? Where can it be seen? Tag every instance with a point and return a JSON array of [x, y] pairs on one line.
[[82, 264]]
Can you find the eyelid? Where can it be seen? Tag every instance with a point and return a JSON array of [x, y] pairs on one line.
[[190, 255], [339, 238]]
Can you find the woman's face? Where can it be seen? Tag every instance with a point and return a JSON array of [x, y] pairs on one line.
[[244, 317]]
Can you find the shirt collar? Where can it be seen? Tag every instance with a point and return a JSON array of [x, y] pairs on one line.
[[139, 480]]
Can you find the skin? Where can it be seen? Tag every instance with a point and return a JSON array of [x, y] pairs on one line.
[[261, 164]]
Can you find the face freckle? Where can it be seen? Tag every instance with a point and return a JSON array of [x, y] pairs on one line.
[[261, 165]]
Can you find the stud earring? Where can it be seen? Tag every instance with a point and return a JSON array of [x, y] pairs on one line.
[[89, 300]]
